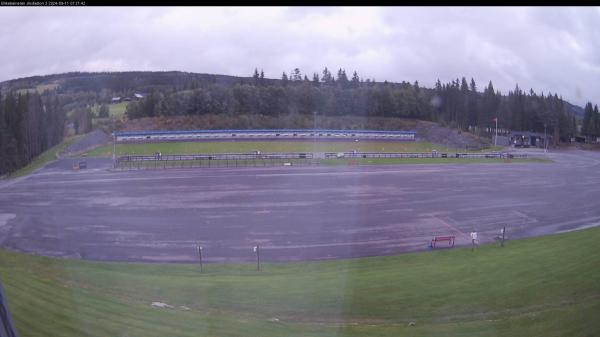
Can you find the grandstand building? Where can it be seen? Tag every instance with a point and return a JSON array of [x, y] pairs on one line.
[[287, 134]]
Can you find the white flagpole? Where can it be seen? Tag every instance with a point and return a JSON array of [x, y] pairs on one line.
[[496, 139]]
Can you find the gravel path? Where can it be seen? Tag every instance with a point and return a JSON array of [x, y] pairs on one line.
[[88, 141]]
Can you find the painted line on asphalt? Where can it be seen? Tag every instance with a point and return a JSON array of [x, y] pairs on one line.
[[262, 175], [454, 228]]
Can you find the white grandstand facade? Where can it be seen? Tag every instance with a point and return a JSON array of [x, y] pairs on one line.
[[287, 134]]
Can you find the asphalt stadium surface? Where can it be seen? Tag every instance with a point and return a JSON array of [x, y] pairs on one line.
[[294, 213]]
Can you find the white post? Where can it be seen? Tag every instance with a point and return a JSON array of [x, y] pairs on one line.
[[200, 256], [545, 140], [496, 139], [114, 144], [314, 133], [257, 251]]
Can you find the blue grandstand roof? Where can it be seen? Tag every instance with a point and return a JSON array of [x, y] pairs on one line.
[[178, 132]]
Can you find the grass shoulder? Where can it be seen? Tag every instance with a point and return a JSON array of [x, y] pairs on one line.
[[44, 158], [539, 286]]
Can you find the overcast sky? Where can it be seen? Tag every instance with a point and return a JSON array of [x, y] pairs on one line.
[[547, 49]]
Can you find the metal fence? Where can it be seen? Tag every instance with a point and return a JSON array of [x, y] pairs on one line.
[[159, 161], [215, 160], [219, 156], [500, 155], [378, 155]]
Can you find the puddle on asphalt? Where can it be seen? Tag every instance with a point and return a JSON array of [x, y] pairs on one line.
[[6, 217]]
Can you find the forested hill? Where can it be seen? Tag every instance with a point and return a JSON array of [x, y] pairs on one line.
[[459, 103], [125, 84], [383, 98], [33, 110], [115, 83]]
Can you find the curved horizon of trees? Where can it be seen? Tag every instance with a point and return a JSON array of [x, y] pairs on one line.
[[457, 103], [30, 124]]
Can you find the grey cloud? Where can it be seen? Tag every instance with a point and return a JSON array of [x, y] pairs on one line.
[[547, 49]]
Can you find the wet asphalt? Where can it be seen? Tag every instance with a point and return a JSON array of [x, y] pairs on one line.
[[293, 213]]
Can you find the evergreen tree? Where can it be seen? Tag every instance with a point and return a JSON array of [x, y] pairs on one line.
[[29, 125], [595, 122], [256, 76], [342, 79], [297, 76], [315, 80], [284, 79], [464, 87], [355, 80], [326, 78], [587, 128], [104, 111], [473, 87]]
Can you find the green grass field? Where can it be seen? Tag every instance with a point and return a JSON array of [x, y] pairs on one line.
[[41, 160], [279, 146], [546, 286], [116, 110], [39, 88]]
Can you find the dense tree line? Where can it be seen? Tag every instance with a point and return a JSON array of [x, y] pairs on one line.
[[458, 103], [30, 123], [591, 121]]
